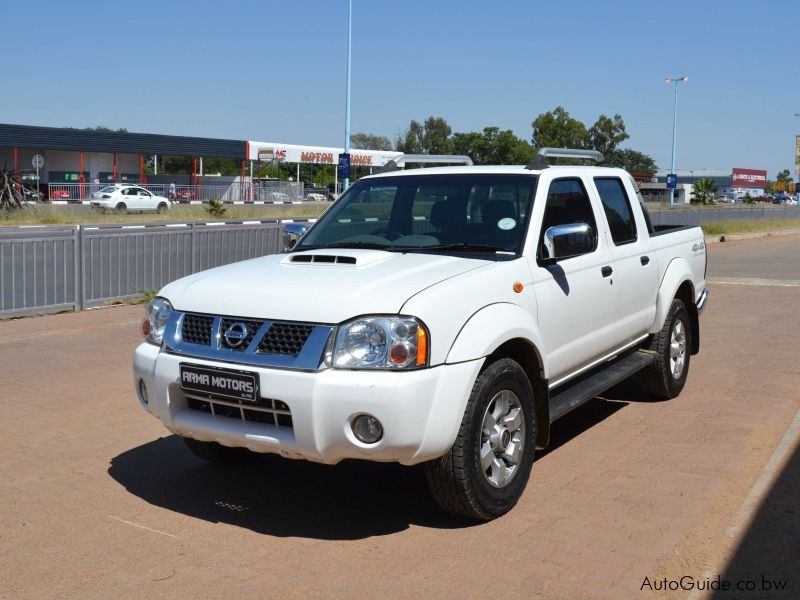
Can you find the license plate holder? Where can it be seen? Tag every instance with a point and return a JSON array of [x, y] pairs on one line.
[[216, 382]]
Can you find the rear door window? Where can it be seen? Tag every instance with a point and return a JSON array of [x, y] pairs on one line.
[[617, 207]]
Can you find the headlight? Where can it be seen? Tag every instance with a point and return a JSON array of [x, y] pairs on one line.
[[380, 343], [157, 314]]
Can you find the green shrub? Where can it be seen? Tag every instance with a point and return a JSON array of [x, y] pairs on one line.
[[216, 208]]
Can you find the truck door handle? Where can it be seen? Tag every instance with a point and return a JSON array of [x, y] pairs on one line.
[[606, 271], [645, 260]]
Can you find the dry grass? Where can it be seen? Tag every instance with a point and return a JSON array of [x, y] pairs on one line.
[[749, 225], [71, 215]]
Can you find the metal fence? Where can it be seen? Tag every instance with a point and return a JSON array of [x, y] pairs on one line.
[[276, 192], [698, 216], [50, 269]]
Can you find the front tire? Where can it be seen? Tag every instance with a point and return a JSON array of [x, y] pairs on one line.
[[666, 377], [218, 454], [485, 472], [162, 208]]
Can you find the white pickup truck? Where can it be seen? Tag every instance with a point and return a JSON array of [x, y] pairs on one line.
[[444, 316]]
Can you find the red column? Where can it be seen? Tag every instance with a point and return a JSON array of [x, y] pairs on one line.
[[141, 170], [194, 178], [247, 158], [80, 174], [16, 168], [115, 167], [241, 195]]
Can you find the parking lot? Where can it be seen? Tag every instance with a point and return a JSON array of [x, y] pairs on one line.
[[98, 501]]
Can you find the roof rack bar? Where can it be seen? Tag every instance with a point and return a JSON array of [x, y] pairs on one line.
[[448, 159], [538, 161]]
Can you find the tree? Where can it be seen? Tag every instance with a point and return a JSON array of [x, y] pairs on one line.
[[433, 137], [606, 134], [106, 129], [556, 129], [410, 141], [703, 192], [785, 177], [367, 141], [632, 161], [493, 147], [436, 139]]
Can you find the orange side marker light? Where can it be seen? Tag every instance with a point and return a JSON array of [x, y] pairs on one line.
[[422, 346]]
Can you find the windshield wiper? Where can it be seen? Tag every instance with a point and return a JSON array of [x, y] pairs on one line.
[[463, 247]]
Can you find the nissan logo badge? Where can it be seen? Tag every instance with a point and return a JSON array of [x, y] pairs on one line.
[[235, 335]]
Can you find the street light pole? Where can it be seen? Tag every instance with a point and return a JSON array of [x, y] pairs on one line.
[[676, 81], [797, 165], [347, 95]]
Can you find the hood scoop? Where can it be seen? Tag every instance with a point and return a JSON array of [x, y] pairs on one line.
[[323, 259]]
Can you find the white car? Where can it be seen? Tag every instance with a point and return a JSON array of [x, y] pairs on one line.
[[316, 197], [127, 197], [444, 316]]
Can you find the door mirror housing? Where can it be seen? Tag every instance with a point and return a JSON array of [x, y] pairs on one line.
[[567, 241]]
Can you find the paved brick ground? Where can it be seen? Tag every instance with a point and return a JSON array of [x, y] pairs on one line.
[[99, 502]]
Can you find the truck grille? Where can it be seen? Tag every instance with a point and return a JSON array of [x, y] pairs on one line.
[[258, 342], [280, 338], [284, 338], [196, 329]]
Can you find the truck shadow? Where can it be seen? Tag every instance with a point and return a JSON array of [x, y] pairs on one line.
[[281, 497]]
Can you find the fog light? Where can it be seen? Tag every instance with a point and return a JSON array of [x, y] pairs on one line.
[[143, 391], [367, 429]]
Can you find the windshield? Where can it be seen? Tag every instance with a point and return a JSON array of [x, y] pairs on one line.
[[470, 212], [110, 188]]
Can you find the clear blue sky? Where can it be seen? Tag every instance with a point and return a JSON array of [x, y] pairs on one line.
[[275, 71]]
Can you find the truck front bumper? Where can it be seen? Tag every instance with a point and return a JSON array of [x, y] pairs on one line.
[[420, 411]]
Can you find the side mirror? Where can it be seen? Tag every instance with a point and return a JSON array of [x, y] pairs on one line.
[[292, 232], [566, 241]]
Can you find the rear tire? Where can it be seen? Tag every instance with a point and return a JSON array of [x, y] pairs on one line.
[[485, 472], [218, 454], [666, 377], [121, 207]]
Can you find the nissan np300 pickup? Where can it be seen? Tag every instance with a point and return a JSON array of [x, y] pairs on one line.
[[444, 316]]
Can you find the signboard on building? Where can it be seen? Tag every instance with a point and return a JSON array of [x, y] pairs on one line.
[[318, 155], [797, 154], [344, 165], [749, 178]]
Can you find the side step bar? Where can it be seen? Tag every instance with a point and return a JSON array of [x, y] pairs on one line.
[[574, 395]]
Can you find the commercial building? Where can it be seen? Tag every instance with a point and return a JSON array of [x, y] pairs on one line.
[[86, 156], [79, 161], [736, 182]]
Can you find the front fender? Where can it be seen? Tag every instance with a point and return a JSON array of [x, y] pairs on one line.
[[677, 272], [491, 327]]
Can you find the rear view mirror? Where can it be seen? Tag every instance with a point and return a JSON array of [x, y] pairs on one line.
[[566, 241]]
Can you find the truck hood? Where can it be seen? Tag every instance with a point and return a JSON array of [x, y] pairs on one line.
[[318, 286]]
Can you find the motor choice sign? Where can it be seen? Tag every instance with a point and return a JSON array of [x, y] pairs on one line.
[[749, 178], [329, 158]]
